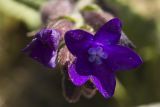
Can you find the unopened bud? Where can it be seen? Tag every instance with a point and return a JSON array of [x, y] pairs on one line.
[[54, 9]]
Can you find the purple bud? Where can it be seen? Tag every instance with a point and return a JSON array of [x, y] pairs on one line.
[[43, 47], [46, 42]]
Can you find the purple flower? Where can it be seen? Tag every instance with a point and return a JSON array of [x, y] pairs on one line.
[[43, 47], [98, 57]]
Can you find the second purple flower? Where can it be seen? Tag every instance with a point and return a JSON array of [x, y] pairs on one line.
[[98, 57]]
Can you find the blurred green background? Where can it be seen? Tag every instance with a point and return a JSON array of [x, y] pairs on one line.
[[26, 83]]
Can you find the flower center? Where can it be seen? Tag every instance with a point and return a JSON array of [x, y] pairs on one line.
[[96, 54]]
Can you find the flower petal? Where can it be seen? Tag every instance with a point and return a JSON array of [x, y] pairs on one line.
[[76, 78], [109, 33], [105, 82], [83, 66], [42, 53], [78, 41], [122, 58]]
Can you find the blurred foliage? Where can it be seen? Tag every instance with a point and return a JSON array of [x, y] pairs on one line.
[[35, 4], [20, 12], [25, 83]]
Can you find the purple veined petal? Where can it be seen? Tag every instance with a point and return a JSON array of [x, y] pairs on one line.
[[109, 33], [78, 41], [41, 53], [122, 58], [76, 78], [104, 81]]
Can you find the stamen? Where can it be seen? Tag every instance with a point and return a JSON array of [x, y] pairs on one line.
[[99, 49], [92, 58], [98, 61], [96, 55], [92, 51], [103, 55]]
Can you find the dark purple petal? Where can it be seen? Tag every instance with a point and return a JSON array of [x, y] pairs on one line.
[[76, 78], [83, 66], [109, 33], [42, 53], [122, 58], [105, 82], [78, 41]]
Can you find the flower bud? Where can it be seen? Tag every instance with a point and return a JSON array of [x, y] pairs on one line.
[[54, 9], [43, 48], [46, 42]]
